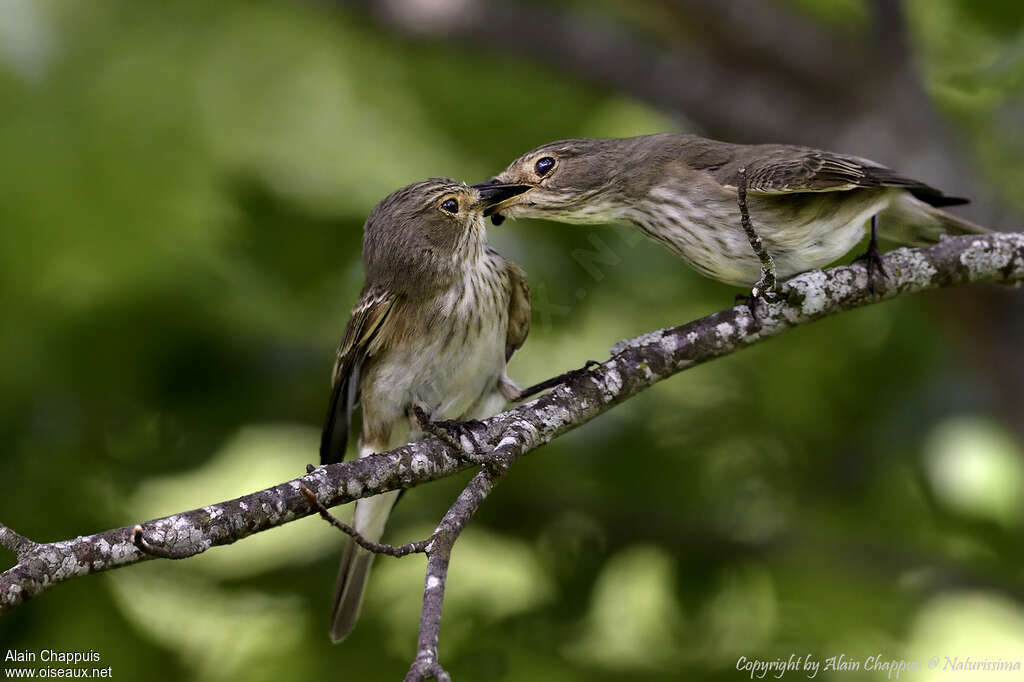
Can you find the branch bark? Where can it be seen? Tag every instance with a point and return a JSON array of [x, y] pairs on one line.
[[19, 544], [635, 365]]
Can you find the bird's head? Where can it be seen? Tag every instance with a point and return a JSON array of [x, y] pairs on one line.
[[422, 232], [575, 181]]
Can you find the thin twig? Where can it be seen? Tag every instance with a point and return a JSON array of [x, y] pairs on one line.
[[426, 664], [369, 545], [19, 544], [530, 391]]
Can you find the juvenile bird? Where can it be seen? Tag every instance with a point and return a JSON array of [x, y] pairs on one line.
[[809, 207], [438, 318]]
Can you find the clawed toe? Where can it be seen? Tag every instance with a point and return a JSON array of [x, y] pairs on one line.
[[758, 293], [460, 430], [456, 434]]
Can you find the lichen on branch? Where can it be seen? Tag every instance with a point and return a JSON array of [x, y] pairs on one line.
[[635, 364]]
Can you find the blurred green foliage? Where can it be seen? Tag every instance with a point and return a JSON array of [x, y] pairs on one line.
[[184, 190]]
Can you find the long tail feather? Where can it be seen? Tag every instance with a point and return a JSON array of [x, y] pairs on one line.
[[913, 222]]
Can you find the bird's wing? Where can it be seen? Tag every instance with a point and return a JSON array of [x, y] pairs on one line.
[[780, 169], [368, 316], [519, 310]]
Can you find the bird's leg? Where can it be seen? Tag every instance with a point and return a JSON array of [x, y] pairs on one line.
[[531, 391], [766, 285], [458, 435], [872, 258]]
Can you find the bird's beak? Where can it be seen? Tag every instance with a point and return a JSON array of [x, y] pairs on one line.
[[493, 194]]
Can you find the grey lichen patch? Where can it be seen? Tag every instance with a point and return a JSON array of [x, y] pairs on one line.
[[317, 481], [420, 464], [612, 383], [910, 269], [196, 537], [354, 488], [650, 338], [984, 256], [72, 566], [323, 490], [812, 291], [181, 527], [745, 323], [49, 555], [723, 334], [121, 551], [670, 343], [550, 417], [377, 478]]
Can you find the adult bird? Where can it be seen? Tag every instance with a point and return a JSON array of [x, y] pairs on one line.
[[438, 318], [809, 207]]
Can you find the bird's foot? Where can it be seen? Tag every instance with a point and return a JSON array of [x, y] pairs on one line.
[[531, 391], [458, 435], [766, 289], [872, 260]]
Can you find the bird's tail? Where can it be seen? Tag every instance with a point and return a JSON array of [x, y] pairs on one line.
[[370, 516], [913, 222]]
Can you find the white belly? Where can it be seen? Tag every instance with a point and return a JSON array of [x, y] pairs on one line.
[[452, 367], [801, 232]]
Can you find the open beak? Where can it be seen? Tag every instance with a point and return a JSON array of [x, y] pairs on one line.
[[493, 194]]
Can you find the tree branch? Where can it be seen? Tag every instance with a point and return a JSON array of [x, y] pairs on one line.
[[635, 365], [19, 544], [439, 553], [418, 547]]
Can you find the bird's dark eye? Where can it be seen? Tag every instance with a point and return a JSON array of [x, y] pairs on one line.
[[544, 165], [450, 206]]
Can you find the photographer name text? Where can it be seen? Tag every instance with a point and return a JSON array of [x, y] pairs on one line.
[[809, 666]]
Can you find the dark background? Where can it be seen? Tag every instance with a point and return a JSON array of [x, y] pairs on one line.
[[183, 191]]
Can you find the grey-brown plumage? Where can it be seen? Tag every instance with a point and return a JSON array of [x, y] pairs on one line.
[[439, 316], [809, 206]]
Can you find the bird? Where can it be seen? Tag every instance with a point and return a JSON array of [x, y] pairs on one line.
[[438, 318], [809, 207]]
